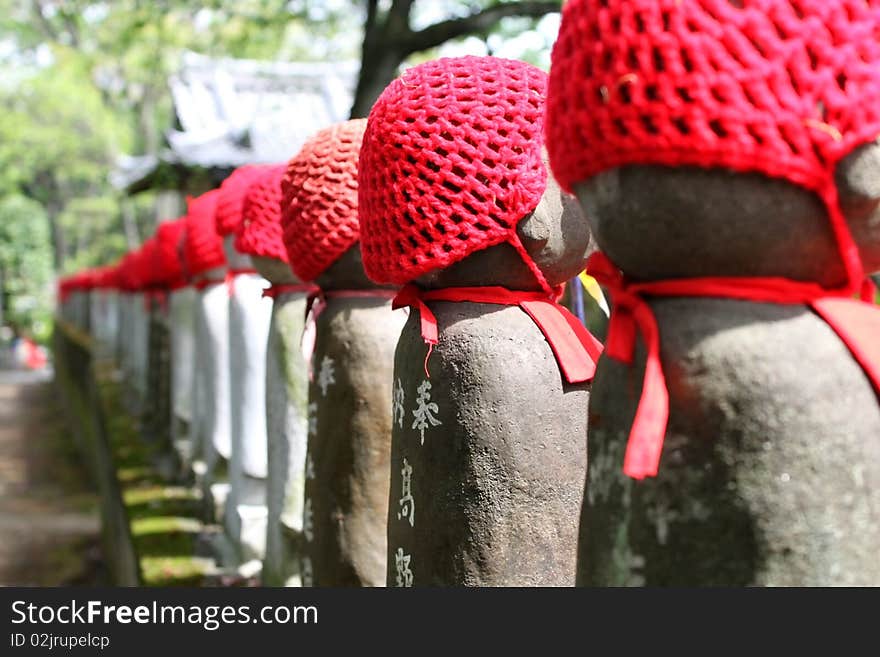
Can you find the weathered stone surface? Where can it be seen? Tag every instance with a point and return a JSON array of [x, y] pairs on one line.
[[286, 403], [211, 386], [496, 486], [139, 352], [249, 318], [123, 342], [181, 306], [104, 321], [156, 419], [771, 465], [489, 453], [286, 417], [346, 499]]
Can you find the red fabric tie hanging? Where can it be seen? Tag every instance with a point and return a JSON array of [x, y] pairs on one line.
[[575, 348], [857, 324]]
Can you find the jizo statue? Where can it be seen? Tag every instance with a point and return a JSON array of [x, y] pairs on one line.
[[181, 314], [725, 155], [249, 317], [354, 331], [286, 385], [491, 376], [206, 266]]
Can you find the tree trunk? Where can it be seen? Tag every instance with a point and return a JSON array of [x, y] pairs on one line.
[[389, 40], [59, 239], [378, 69], [2, 295]]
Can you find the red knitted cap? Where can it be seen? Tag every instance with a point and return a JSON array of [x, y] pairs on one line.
[[104, 277], [319, 214], [230, 200], [202, 246], [110, 277], [130, 271], [451, 163], [260, 231], [148, 275], [782, 87], [123, 269], [81, 281], [167, 261]]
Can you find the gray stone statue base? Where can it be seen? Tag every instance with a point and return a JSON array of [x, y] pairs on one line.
[[488, 455], [211, 395], [766, 478], [347, 467], [249, 319], [286, 401], [181, 306]]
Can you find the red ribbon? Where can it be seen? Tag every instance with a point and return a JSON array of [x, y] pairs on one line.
[[276, 290], [575, 348], [317, 300], [632, 313]]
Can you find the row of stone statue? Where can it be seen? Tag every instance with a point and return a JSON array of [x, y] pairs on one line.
[[718, 171]]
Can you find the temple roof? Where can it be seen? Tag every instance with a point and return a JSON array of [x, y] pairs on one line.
[[234, 111]]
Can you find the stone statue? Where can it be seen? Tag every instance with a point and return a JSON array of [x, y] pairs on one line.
[[354, 332], [489, 436], [741, 204]]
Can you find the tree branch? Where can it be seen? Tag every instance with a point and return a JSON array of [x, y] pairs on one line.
[[481, 21], [398, 14], [372, 8], [48, 29], [72, 27]]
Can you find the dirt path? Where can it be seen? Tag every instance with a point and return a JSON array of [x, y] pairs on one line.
[[49, 523]]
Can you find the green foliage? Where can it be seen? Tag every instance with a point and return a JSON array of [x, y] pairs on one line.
[[94, 236], [57, 137], [25, 264], [83, 81]]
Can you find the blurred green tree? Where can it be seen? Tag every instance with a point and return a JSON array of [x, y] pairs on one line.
[[82, 81], [25, 265], [58, 141]]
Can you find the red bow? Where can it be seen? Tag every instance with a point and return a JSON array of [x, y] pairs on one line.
[[631, 313]]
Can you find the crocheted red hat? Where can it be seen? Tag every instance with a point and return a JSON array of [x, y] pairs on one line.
[[260, 232], [451, 162], [781, 87], [81, 281], [166, 257], [108, 278], [319, 216], [101, 277], [134, 271], [202, 246], [148, 275], [230, 200], [122, 272]]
